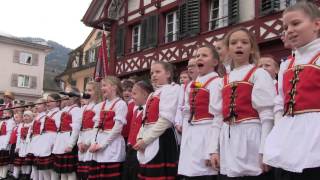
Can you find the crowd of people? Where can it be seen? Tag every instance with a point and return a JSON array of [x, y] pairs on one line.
[[234, 115]]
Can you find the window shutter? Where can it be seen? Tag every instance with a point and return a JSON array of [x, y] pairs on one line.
[[86, 59], [269, 6], [183, 21], [152, 30], [233, 11], [33, 84], [189, 18], [16, 56], [193, 14], [144, 33], [96, 53], [14, 80], [120, 41], [35, 59]]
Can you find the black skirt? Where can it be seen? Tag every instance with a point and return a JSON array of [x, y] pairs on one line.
[[83, 169], [131, 165], [13, 154], [65, 163], [101, 171], [165, 164], [30, 159], [4, 158], [18, 161], [307, 174], [44, 163]]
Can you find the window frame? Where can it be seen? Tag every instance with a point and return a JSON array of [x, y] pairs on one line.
[[24, 61], [175, 26], [22, 83], [216, 19], [136, 46]]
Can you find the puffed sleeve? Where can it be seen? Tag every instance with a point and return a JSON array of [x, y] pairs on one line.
[[121, 111], [169, 102], [263, 94], [76, 125], [18, 137], [215, 108], [186, 109], [179, 115]]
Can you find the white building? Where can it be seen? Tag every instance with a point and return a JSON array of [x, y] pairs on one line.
[[22, 68]]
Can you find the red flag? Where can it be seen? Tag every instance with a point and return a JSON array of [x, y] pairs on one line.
[[101, 69]]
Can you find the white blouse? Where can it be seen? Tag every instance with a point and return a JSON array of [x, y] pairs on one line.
[[242, 144], [293, 144]]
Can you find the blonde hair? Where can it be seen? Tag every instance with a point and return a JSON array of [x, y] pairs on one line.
[[219, 68], [308, 8], [255, 55], [115, 82], [96, 89]]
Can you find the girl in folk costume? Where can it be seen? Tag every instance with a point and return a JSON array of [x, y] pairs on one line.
[[293, 144], [245, 105], [156, 145], [194, 162], [108, 145], [127, 91], [48, 133], [22, 147], [65, 148], [6, 126], [16, 160], [87, 131], [140, 93], [34, 135]]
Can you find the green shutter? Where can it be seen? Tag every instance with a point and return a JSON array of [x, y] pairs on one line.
[[144, 33], [86, 60], [233, 11], [193, 14], [96, 53], [189, 18], [183, 20], [269, 6], [152, 33], [120, 41]]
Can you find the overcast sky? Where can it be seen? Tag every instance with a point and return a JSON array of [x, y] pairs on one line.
[[57, 20]]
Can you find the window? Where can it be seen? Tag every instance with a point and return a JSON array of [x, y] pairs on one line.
[[214, 15], [86, 80], [73, 82], [75, 62], [223, 13], [171, 26], [24, 81], [92, 55], [286, 3], [25, 58], [136, 34], [61, 84]]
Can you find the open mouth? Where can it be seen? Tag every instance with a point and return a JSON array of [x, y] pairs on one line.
[[200, 65], [239, 52]]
